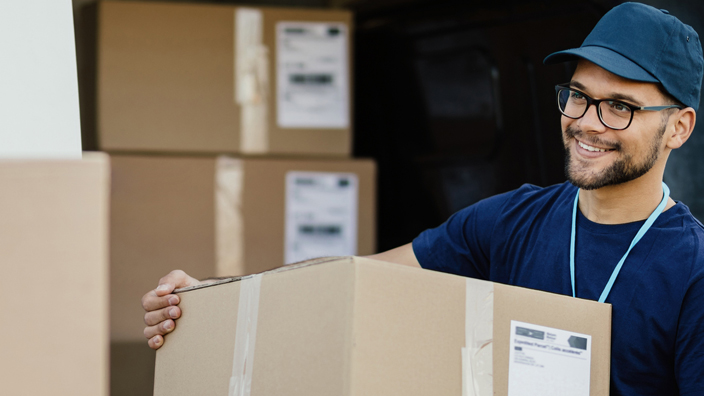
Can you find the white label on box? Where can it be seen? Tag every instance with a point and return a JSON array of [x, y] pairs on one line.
[[321, 215], [546, 361], [312, 75], [39, 115]]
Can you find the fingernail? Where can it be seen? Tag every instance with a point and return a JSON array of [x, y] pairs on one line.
[[173, 312], [162, 287], [169, 325], [173, 301], [156, 340]]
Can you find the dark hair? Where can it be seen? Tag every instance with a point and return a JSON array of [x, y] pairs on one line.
[[669, 99]]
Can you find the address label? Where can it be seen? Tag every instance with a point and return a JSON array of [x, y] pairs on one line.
[[548, 362]]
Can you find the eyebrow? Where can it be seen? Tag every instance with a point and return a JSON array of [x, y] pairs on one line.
[[617, 96]]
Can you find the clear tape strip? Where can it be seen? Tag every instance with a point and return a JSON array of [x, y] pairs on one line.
[[229, 224], [251, 80], [245, 336], [477, 355]]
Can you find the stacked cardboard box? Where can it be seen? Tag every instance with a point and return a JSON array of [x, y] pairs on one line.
[[54, 286], [230, 135], [213, 79]]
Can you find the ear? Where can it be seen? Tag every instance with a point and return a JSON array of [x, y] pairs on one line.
[[680, 127]]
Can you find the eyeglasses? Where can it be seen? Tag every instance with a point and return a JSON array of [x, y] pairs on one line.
[[612, 113]]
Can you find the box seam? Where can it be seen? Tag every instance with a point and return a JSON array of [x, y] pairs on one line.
[[350, 350]]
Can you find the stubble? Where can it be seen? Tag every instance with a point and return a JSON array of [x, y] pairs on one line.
[[622, 170]]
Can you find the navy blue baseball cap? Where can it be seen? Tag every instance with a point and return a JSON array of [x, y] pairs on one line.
[[641, 43]]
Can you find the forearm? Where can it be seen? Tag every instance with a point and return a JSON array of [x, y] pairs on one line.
[[401, 255]]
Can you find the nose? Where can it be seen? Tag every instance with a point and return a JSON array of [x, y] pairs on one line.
[[590, 121]]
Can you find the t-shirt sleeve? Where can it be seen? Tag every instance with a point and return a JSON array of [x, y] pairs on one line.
[[461, 245], [689, 358]]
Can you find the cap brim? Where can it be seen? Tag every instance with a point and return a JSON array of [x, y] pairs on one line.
[[604, 58]]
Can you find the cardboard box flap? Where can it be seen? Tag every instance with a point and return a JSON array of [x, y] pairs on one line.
[[288, 267]]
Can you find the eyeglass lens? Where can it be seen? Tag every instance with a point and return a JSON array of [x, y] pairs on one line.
[[612, 113]]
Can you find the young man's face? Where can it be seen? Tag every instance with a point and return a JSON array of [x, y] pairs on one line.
[[598, 156]]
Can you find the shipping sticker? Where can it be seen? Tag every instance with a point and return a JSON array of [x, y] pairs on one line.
[[321, 215], [312, 75], [548, 362]]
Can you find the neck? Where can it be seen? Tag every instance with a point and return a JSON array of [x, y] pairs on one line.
[[623, 203]]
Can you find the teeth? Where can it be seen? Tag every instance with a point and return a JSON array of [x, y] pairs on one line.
[[590, 148]]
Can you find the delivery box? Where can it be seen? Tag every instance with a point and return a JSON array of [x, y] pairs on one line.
[[355, 326], [54, 276], [195, 78]]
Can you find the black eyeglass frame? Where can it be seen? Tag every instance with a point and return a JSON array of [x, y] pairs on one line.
[[597, 102]]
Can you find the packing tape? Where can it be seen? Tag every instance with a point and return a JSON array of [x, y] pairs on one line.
[[477, 355], [229, 224], [251, 80], [245, 336]]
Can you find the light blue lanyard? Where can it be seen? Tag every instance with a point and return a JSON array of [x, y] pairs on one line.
[[643, 229]]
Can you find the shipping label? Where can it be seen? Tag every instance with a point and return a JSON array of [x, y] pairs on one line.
[[546, 361], [312, 75], [321, 215]]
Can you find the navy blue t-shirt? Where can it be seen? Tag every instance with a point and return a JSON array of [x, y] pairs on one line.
[[522, 238]]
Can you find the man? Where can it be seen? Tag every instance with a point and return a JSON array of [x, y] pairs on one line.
[[611, 233]]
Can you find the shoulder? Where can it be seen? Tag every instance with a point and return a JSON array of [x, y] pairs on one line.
[[531, 200], [679, 221], [684, 235], [525, 200], [524, 208], [530, 195]]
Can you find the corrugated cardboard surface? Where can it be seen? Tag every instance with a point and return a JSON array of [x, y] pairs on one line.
[[53, 282], [166, 80], [163, 218], [264, 199], [356, 326], [409, 331], [546, 309], [302, 348]]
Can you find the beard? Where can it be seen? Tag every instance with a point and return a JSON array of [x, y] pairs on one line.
[[624, 169]]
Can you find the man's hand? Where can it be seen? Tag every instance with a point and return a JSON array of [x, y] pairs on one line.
[[162, 307]]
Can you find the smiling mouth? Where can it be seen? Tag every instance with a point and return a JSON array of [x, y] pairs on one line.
[[592, 148]]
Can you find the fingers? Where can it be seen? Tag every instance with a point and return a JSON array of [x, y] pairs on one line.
[[161, 307], [155, 334], [161, 296], [152, 301], [160, 329], [159, 323], [156, 342], [174, 280], [155, 317]]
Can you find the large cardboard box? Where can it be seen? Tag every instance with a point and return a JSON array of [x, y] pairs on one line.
[[53, 277], [223, 79], [355, 326], [226, 217]]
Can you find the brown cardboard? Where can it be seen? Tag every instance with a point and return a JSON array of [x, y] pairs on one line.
[[163, 217], [355, 326], [166, 81], [53, 277]]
